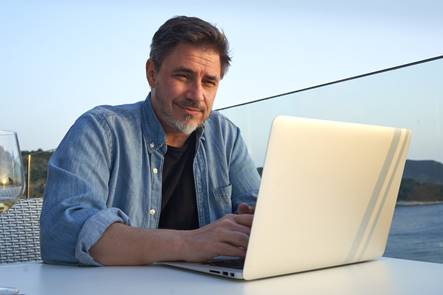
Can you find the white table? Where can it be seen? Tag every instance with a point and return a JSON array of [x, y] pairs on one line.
[[384, 276]]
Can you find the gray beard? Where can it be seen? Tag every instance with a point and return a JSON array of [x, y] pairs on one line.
[[181, 126]]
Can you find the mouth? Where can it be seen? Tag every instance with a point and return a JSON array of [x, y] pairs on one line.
[[190, 110]]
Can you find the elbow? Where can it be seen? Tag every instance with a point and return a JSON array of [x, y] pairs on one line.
[[54, 251], [56, 243]]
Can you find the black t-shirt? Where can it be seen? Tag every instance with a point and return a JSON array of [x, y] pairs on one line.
[[179, 205]]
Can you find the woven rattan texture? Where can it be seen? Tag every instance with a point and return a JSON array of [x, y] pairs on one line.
[[20, 232]]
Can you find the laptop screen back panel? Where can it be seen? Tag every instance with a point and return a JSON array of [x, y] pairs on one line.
[[327, 195]]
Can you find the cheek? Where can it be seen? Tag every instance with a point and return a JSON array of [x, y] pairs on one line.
[[167, 91], [169, 87], [209, 104], [175, 86]]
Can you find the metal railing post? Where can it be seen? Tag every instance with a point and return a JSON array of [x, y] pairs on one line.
[[28, 181]]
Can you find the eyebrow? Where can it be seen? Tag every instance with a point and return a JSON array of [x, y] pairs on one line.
[[190, 72]]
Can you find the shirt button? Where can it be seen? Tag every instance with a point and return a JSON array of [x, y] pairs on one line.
[[152, 211], [155, 170], [151, 145]]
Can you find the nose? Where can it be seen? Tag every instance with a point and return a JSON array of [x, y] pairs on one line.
[[196, 91]]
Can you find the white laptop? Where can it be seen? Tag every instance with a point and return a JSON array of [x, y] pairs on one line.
[[327, 196]]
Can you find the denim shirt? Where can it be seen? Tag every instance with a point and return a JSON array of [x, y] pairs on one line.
[[108, 168]]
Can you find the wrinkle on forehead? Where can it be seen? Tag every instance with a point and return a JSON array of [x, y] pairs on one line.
[[205, 57]]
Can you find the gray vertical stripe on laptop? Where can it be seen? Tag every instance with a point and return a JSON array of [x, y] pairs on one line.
[[375, 193], [385, 196]]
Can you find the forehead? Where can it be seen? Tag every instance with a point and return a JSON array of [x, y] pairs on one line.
[[203, 59]]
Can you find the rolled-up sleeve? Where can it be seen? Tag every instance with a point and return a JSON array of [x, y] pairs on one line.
[[75, 212], [93, 229]]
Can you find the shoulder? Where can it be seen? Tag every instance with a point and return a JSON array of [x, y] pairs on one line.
[[99, 129], [221, 130], [110, 118], [219, 121], [106, 121], [118, 112]]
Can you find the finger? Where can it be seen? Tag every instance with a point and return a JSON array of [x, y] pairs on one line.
[[235, 238], [244, 208], [226, 249], [229, 222], [244, 219]]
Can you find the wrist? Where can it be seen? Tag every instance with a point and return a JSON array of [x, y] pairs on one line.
[[183, 248], [174, 245]]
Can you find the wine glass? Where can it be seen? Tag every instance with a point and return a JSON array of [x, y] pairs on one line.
[[11, 170], [11, 179]]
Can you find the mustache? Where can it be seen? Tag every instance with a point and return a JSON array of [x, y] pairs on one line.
[[189, 103]]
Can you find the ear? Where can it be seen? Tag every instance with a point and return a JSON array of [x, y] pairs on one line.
[[151, 73]]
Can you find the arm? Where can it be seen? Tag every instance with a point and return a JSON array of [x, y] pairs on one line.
[[78, 227], [124, 245], [74, 213]]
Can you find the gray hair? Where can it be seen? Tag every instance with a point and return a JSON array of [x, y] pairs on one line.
[[190, 30]]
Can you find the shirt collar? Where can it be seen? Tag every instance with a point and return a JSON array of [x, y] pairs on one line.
[[152, 129]]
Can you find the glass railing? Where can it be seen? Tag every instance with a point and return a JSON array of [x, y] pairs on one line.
[[408, 96]]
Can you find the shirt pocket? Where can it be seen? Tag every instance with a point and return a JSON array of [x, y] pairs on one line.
[[222, 200]]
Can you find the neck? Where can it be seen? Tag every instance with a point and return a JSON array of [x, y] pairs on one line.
[[176, 140]]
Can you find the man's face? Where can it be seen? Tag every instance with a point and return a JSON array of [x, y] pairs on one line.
[[184, 88]]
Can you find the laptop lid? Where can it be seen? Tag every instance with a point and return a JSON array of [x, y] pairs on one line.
[[327, 195]]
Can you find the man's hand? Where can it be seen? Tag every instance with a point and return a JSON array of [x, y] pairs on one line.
[[227, 236], [125, 245]]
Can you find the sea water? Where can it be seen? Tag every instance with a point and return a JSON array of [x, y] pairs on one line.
[[417, 233]]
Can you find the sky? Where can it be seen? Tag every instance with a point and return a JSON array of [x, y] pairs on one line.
[[61, 58], [410, 97]]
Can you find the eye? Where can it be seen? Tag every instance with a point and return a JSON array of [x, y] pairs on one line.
[[209, 83], [182, 76]]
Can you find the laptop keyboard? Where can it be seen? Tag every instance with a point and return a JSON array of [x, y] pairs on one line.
[[230, 263]]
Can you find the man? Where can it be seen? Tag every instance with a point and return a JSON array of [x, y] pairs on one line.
[[160, 180]]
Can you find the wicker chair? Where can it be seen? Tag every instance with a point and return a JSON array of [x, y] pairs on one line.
[[20, 232]]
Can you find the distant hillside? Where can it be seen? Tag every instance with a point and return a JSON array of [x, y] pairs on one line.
[[424, 171], [39, 169], [413, 191], [422, 180]]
